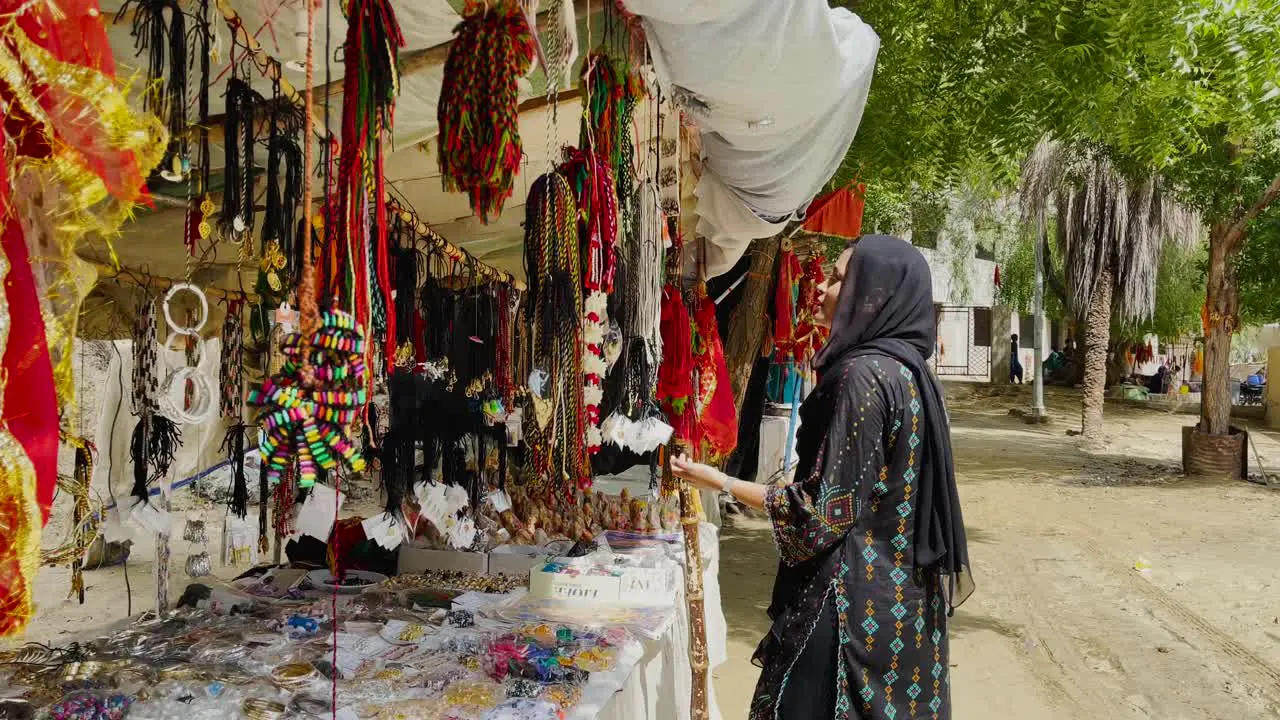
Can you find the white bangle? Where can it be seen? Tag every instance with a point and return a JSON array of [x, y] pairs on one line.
[[727, 486]]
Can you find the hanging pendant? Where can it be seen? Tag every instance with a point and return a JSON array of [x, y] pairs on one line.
[[199, 565]]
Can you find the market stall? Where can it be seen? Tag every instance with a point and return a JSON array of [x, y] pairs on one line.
[[404, 279]]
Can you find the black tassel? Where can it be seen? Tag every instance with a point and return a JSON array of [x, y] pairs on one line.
[[264, 496], [162, 37], [203, 34], [406, 284], [238, 135], [138, 456], [272, 214], [397, 452], [233, 445], [152, 449]]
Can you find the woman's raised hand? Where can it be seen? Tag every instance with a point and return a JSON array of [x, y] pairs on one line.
[[703, 477]]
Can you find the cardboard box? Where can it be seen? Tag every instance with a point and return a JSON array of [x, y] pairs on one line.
[[418, 559], [513, 563]]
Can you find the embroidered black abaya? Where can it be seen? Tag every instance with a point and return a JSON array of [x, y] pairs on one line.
[[871, 538]]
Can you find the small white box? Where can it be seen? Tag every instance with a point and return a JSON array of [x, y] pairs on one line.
[[574, 588], [648, 586]]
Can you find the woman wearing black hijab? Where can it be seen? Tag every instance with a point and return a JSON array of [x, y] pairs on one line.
[[872, 542]]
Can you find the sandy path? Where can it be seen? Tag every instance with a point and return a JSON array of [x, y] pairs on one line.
[[1062, 625]]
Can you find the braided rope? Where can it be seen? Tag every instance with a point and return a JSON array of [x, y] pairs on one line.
[[479, 143]]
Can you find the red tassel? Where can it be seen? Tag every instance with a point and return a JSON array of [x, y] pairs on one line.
[[718, 418], [675, 374], [784, 333], [997, 280]]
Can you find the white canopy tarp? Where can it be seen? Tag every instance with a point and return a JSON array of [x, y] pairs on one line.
[[777, 88]]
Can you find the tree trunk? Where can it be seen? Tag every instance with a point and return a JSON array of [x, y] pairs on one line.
[[1097, 333], [1224, 305]]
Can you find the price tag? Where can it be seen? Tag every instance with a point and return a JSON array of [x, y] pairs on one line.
[[317, 514], [431, 498], [455, 498], [462, 534], [500, 502], [286, 317], [385, 530]]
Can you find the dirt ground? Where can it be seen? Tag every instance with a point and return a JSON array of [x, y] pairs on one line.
[[1108, 585]]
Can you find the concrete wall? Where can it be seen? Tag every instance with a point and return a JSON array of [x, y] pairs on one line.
[[1272, 399]]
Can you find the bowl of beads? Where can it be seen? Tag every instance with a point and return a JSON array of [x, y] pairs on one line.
[[353, 581]]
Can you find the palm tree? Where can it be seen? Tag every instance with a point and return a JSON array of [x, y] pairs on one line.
[[1111, 229]]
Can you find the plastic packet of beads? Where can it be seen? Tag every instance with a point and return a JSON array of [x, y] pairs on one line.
[[88, 705], [219, 650], [408, 709], [458, 642], [475, 696], [188, 701], [435, 680], [524, 709]]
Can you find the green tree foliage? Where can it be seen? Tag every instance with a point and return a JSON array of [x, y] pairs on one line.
[[1258, 268], [1017, 278]]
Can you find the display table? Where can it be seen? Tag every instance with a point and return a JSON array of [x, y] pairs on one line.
[[660, 686], [396, 658]]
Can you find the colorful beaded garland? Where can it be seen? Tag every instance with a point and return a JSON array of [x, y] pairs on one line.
[[310, 424]]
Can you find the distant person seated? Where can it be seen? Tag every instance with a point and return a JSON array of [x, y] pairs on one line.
[[1055, 360], [1015, 365], [1257, 379], [1065, 371], [1157, 385]]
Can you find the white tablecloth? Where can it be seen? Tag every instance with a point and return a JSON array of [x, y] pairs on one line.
[[660, 686]]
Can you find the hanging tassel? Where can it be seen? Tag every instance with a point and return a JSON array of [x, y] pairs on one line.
[[239, 139], [370, 86], [675, 375], [479, 143], [233, 446], [286, 495], [231, 371], [200, 206], [398, 453], [997, 278], [159, 31], [152, 449], [264, 496], [784, 304], [717, 416], [83, 533]]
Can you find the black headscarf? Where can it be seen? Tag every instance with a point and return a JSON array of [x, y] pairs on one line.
[[886, 308]]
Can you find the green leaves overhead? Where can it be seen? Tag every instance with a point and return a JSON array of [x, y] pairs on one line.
[[1166, 85]]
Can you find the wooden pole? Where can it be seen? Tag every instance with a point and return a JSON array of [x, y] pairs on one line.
[[691, 520]]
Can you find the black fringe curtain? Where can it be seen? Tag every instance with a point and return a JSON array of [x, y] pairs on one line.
[[405, 273], [397, 454]]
